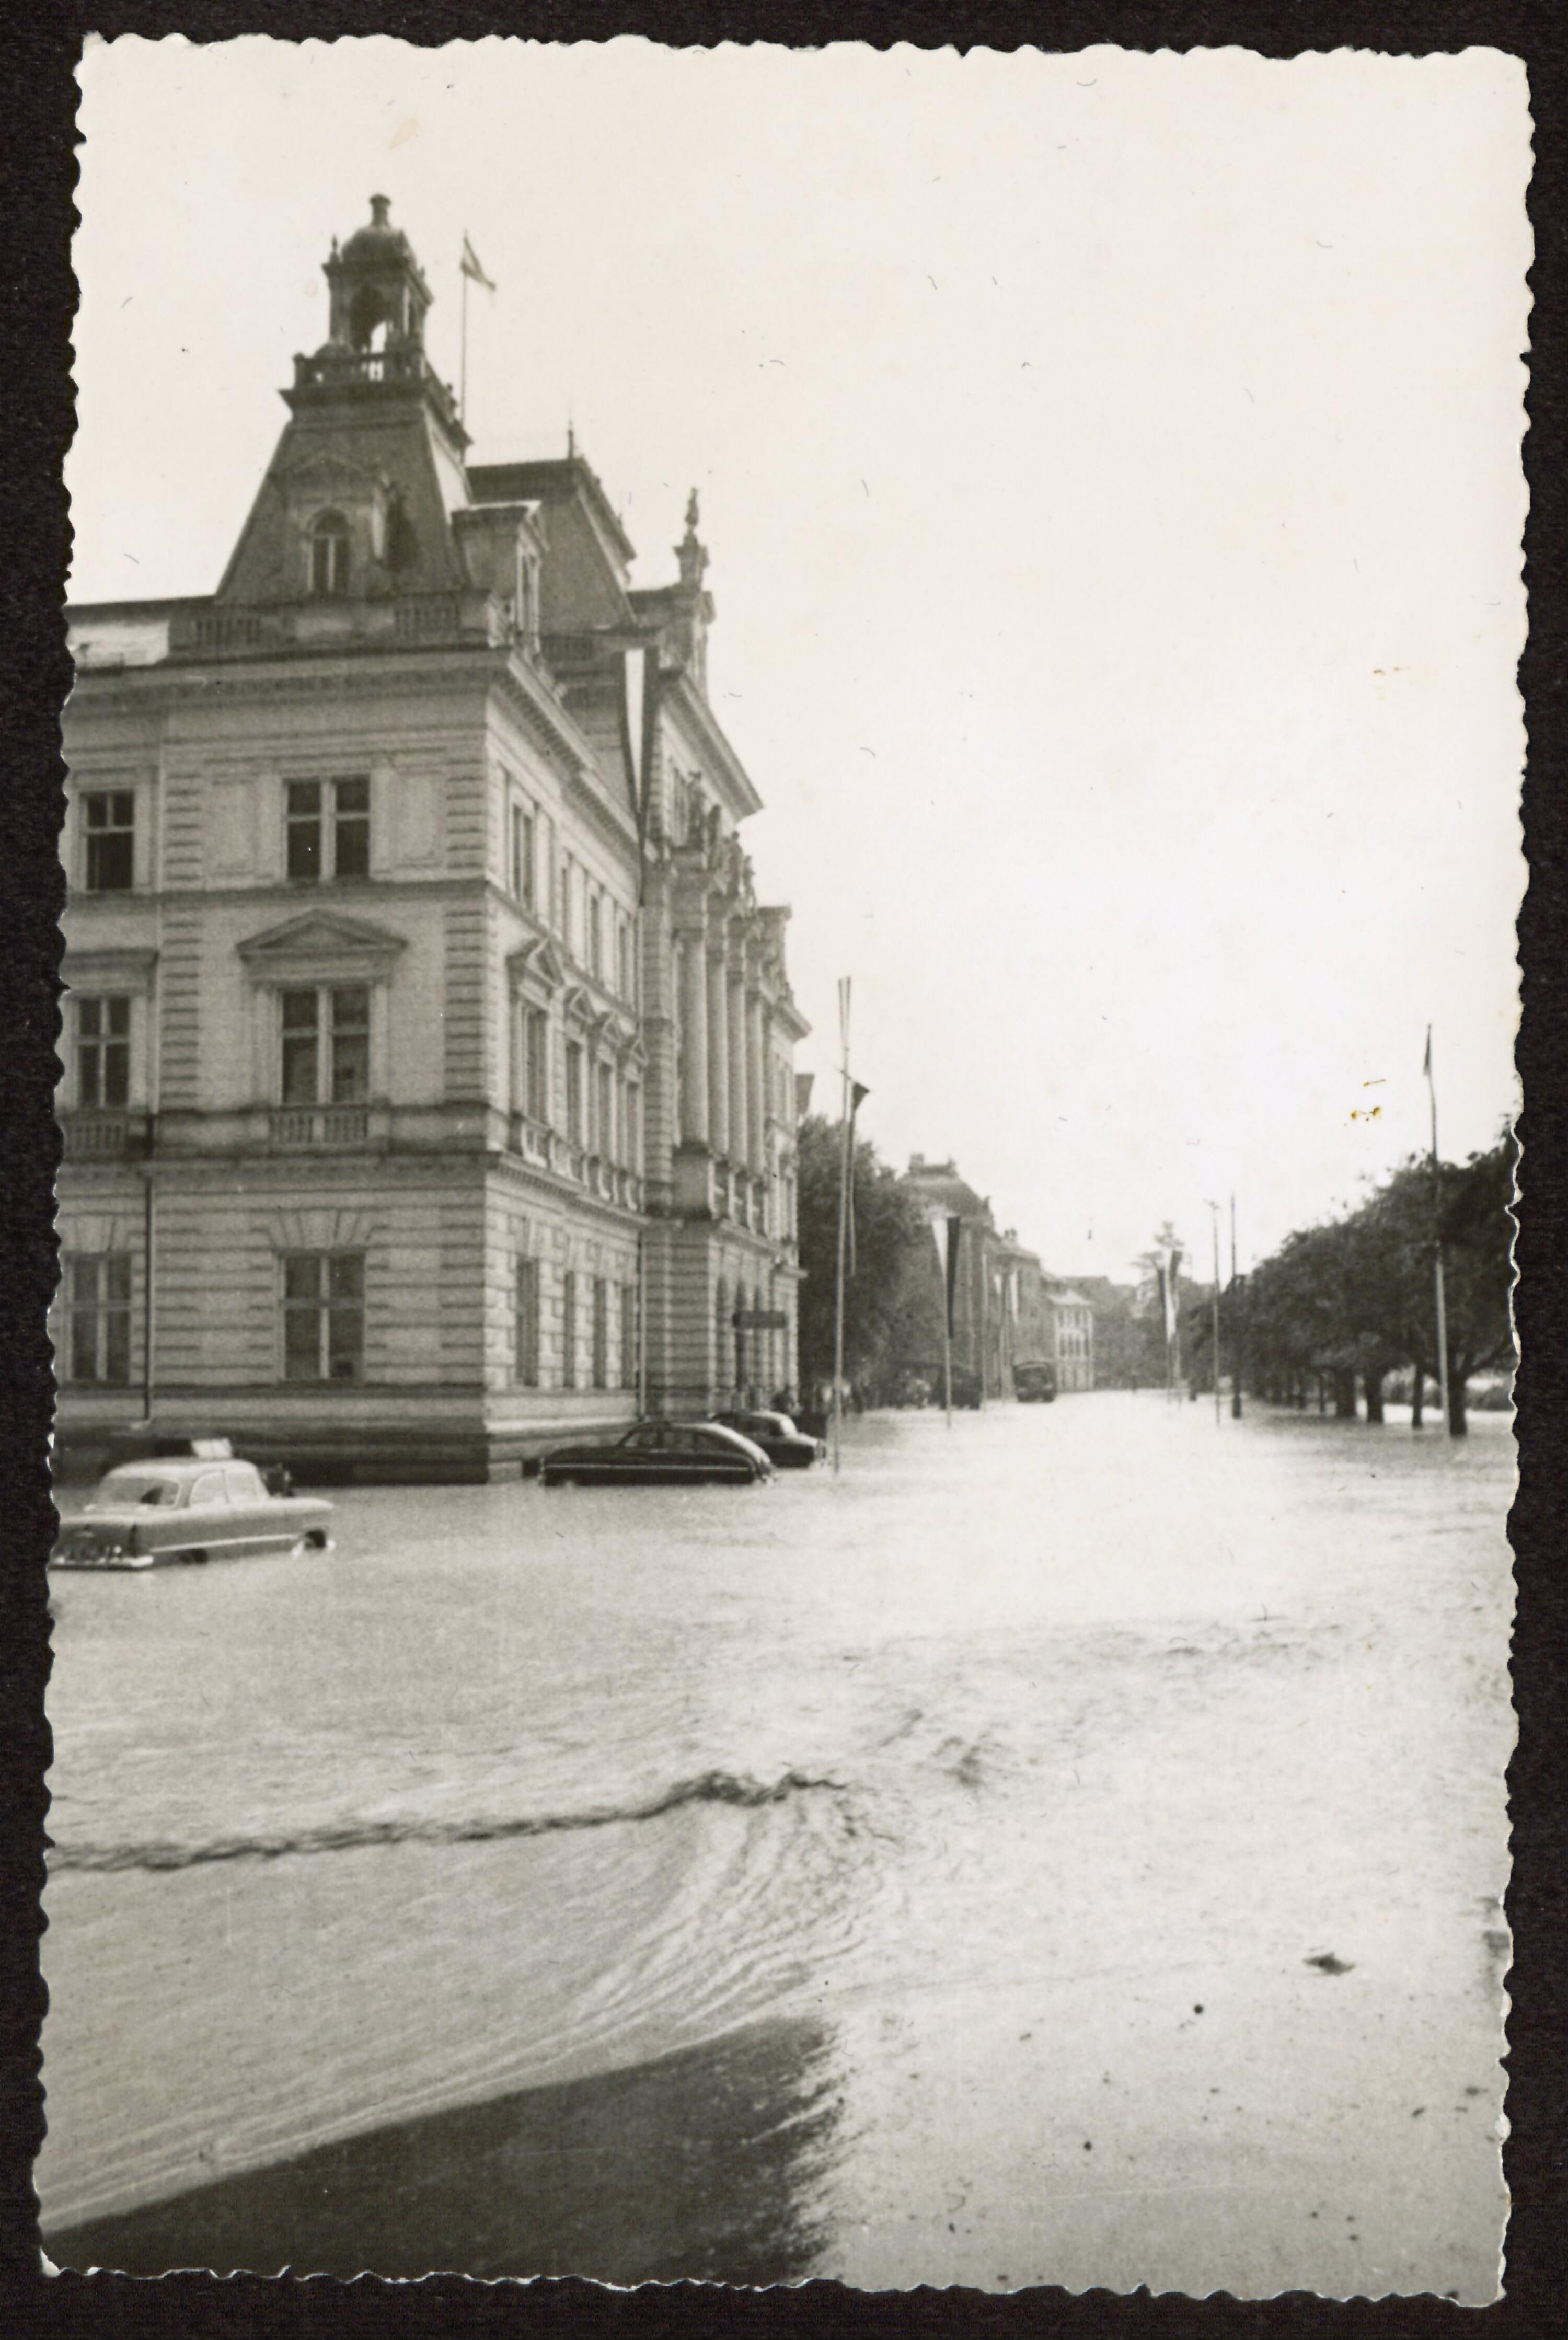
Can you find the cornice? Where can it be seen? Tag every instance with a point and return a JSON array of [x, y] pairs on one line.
[[677, 690]]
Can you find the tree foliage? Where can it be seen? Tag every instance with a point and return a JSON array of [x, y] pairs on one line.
[[885, 1298], [1355, 1299]]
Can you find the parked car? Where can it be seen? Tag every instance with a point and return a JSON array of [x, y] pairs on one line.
[[149, 1514], [138, 1446], [788, 1448], [1034, 1385], [657, 1454]]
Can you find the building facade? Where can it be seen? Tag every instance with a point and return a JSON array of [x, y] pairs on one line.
[[428, 1085], [1069, 1327], [1008, 1309]]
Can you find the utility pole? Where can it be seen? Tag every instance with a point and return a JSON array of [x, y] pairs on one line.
[[1235, 1335]]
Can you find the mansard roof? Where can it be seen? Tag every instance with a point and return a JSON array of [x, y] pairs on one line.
[[939, 1183]]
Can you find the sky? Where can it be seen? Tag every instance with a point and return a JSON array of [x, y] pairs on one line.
[[1110, 465]]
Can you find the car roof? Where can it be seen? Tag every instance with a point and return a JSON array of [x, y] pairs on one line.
[[174, 1466]]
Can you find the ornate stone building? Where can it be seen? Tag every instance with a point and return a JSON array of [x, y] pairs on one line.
[[1008, 1311], [429, 1088]]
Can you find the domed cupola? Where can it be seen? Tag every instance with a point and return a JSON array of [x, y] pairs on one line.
[[378, 295]]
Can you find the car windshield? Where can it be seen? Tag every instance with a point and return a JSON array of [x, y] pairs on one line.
[[122, 1488]]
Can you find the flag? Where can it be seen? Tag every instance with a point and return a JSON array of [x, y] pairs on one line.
[[1426, 1060], [955, 1229], [471, 267], [1169, 1268], [857, 1094], [638, 705]]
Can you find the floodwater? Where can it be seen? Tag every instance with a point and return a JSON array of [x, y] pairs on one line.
[[1065, 1847]]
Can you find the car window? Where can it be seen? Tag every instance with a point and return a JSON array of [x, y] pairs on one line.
[[647, 1433], [134, 1487], [711, 1443], [243, 1482], [208, 1489]]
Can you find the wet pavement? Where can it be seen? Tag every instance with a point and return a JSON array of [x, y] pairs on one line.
[[1065, 1847]]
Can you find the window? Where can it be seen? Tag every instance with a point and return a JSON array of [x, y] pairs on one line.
[[326, 1045], [600, 1333], [103, 1051], [606, 1129], [574, 1097], [623, 958], [98, 1304], [110, 815], [330, 556], [631, 1128], [526, 1359], [329, 829], [629, 1336], [569, 1330], [570, 923], [533, 1069], [523, 852], [596, 936], [323, 1316]]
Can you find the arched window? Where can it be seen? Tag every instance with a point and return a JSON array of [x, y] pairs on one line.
[[329, 555], [720, 1338]]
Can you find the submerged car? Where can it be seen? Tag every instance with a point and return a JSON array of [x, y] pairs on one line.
[[153, 1514], [660, 1454], [1034, 1385], [788, 1448]]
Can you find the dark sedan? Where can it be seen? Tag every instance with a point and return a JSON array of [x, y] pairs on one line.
[[150, 1515], [786, 1447], [658, 1454]]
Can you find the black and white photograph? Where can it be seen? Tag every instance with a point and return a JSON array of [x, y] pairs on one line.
[[785, 1324]]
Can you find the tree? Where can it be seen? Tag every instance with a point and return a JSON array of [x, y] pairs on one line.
[[1356, 1298], [1478, 1229], [890, 1238]]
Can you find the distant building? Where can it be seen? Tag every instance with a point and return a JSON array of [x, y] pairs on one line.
[[428, 1087], [1122, 1356], [1069, 1321]]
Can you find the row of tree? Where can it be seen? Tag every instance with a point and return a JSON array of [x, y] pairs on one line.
[[892, 1302], [1354, 1301]]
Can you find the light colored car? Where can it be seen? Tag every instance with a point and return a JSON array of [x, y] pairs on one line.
[[786, 1447], [152, 1514]]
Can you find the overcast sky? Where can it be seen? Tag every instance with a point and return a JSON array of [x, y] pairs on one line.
[[1110, 465]]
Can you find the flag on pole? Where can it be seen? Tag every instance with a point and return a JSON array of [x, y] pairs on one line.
[[1426, 1060], [471, 267], [955, 1231], [1169, 1268], [858, 1096]]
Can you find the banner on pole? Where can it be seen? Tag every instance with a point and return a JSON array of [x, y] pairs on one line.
[[858, 1096], [470, 264]]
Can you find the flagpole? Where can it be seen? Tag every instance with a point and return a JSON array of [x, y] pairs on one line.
[[946, 1349], [1213, 1226], [843, 1228], [1437, 1248], [1235, 1334], [462, 362]]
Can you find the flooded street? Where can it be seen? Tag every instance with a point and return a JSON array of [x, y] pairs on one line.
[[1063, 1849]]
